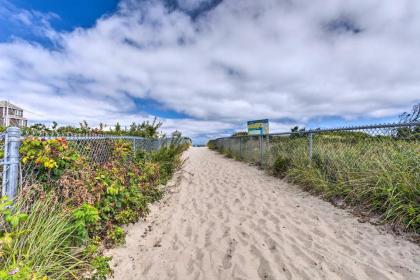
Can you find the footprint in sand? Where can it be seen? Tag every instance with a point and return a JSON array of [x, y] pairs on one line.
[[227, 259]]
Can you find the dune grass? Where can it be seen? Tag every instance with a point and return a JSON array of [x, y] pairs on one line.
[[41, 245]]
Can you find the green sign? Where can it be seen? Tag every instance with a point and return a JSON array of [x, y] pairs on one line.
[[258, 127]]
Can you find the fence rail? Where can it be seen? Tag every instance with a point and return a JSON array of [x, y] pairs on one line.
[[97, 148]]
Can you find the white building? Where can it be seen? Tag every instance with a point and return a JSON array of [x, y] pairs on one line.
[[11, 115]]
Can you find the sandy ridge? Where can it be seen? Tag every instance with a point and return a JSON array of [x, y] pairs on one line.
[[223, 219]]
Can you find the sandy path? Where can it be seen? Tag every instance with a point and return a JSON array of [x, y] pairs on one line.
[[228, 220]]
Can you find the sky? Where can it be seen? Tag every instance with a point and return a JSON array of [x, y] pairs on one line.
[[205, 67]]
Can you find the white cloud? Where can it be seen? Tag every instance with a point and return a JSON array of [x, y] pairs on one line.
[[33, 22], [242, 60]]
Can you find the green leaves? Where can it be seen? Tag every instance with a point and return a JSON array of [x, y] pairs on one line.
[[84, 217], [49, 157], [101, 265], [15, 219], [4, 204], [11, 217]]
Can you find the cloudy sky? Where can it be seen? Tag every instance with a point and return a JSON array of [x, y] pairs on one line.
[[205, 67]]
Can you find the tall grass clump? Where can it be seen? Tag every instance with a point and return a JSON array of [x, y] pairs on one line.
[[378, 174], [39, 244], [212, 145], [169, 157]]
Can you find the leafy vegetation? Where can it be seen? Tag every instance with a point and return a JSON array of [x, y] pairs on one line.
[[167, 156], [145, 129], [74, 207], [239, 133]]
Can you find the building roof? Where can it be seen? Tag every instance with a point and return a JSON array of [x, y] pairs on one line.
[[10, 105]]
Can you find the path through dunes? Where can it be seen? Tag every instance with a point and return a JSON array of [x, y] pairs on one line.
[[227, 220]]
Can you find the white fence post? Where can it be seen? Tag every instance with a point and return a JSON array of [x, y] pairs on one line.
[[11, 162]]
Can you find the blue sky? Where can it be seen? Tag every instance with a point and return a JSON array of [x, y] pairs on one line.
[[205, 67], [75, 13]]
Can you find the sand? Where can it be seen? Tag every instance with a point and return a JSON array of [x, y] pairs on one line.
[[223, 219]]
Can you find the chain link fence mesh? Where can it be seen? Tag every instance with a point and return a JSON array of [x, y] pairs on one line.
[[97, 149], [326, 147]]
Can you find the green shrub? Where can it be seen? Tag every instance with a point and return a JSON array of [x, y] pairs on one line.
[[281, 166], [212, 145], [85, 217], [102, 268], [76, 206], [168, 157], [116, 235], [49, 158]]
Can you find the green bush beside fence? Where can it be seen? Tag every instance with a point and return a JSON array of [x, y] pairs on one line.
[[72, 207]]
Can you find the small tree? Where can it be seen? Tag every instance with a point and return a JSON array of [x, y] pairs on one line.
[[410, 117], [240, 133], [176, 134], [297, 132], [118, 127], [413, 116], [84, 127]]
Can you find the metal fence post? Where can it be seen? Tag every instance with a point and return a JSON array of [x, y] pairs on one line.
[[4, 175], [11, 162], [134, 145], [161, 143], [310, 140], [240, 147], [268, 148], [261, 149]]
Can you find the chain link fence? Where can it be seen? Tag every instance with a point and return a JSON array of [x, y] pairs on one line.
[[324, 146], [16, 173]]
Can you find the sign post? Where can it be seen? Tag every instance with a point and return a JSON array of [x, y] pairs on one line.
[[259, 128]]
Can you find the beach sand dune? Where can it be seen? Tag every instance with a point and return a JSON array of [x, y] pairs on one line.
[[223, 219]]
